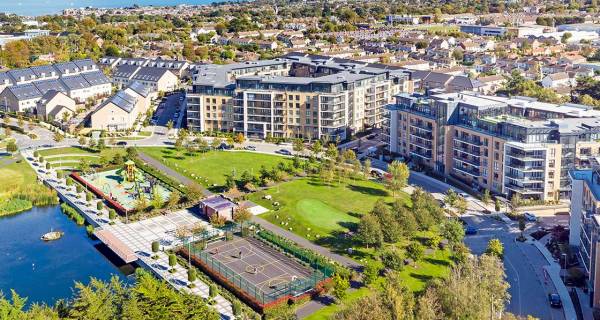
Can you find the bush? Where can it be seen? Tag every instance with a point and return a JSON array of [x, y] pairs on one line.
[[88, 196], [72, 214], [237, 308], [155, 246], [99, 205], [48, 165]]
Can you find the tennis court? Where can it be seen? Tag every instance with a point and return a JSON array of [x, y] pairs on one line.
[[261, 266]]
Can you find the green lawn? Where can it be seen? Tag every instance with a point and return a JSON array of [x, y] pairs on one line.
[[55, 156], [319, 212], [14, 176], [212, 166]]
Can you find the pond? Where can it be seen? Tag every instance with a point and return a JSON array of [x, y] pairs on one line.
[[47, 271]]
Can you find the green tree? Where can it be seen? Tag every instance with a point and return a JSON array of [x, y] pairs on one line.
[[298, 146], [340, 285], [486, 198], [242, 215], [11, 147], [453, 230], [415, 251], [170, 124], [495, 248], [398, 176], [392, 259], [172, 262], [317, 148], [371, 272], [369, 231], [367, 168]]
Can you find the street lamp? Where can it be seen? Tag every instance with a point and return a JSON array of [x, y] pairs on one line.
[[564, 256]]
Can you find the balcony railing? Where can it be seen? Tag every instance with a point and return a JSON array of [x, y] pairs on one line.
[[470, 141], [471, 172]]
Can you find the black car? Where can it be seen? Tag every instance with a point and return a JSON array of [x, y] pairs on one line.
[[555, 301], [122, 143], [224, 146]]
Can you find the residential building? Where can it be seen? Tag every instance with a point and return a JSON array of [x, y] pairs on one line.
[[584, 226], [120, 111], [218, 205], [80, 80], [55, 105], [509, 146], [297, 95], [157, 79]]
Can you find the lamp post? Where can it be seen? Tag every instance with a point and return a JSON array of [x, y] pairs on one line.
[[564, 256]]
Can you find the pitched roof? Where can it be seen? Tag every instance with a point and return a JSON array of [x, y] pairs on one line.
[[150, 74], [122, 100], [75, 82], [48, 85], [25, 91], [125, 71], [139, 88], [95, 78]]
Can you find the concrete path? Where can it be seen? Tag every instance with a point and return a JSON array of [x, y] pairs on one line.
[[307, 244], [170, 172]]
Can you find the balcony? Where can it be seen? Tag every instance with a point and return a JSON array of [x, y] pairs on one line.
[[467, 151], [468, 161], [471, 172], [427, 155], [524, 168], [421, 126], [523, 190], [422, 135], [420, 143], [470, 141]]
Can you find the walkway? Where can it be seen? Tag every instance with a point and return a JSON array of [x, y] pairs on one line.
[[307, 244], [170, 172]]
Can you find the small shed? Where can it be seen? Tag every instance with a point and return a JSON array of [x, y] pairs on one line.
[[218, 205]]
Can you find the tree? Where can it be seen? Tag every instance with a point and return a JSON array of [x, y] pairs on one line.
[[112, 214], [239, 138], [369, 231], [11, 147], [450, 197], [522, 225], [497, 205], [392, 259], [82, 141], [99, 205], [242, 215], [212, 291], [298, 145], [155, 246], [340, 285], [371, 272], [331, 152], [172, 262], [565, 37], [191, 276], [415, 251], [170, 124], [84, 166], [215, 143], [453, 230], [486, 198], [58, 137], [398, 176], [317, 148], [388, 223], [193, 192], [131, 152], [461, 205], [495, 248], [173, 200], [88, 196], [367, 168]]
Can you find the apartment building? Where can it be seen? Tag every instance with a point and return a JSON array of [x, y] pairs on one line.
[[297, 95], [584, 226], [509, 146]]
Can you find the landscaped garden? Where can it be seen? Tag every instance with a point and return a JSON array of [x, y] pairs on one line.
[[71, 158], [211, 167]]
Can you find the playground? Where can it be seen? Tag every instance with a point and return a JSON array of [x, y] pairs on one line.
[[127, 185], [265, 275]]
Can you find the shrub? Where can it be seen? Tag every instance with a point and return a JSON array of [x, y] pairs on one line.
[[112, 214], [88, 196], [212, 291], [99, 205], [155, 246], [392, 259], [79, 188], [48, 165], [191, 275]]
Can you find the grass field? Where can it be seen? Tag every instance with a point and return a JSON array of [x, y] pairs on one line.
[[19, 189], [14, 176], [320, 212], [64, 157], [212, 166]]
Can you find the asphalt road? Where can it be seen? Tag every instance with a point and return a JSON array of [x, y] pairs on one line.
[[523, 263]]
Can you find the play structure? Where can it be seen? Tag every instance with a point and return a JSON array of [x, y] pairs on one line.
[[128, 185]]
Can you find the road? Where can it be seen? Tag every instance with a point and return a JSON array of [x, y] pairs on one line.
[[523, 263]]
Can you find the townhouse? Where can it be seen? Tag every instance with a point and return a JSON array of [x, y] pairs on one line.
[[80, 80], [120, 111], [509, 146]]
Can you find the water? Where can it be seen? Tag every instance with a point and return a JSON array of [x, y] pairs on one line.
[[46, 271], [41, 7]]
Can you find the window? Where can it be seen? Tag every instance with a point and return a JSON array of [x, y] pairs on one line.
[[497, 145]]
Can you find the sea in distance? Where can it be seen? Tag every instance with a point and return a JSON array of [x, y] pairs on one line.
[[43, 7]]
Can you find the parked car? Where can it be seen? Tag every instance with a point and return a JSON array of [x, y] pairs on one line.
[[284, 152], [252, 148], [224, 146], [530, 217], [122, 143], [470, 230], [554, 300]]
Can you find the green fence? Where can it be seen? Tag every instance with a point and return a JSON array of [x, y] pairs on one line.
[[315, 261], [293, 288]]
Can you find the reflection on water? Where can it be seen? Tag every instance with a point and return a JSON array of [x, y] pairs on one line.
[[46, 271]]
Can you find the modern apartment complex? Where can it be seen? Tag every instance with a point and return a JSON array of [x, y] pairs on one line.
[[297, 95], [509, 146], [584, 223]]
